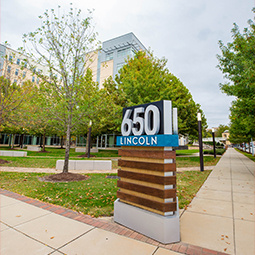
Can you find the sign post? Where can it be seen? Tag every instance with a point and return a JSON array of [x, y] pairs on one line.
[[146, 199]]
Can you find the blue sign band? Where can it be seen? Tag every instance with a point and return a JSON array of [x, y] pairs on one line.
[[149, 140]]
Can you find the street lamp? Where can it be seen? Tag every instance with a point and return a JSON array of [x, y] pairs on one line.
[[213, 137], [199, 119], [89, 140]]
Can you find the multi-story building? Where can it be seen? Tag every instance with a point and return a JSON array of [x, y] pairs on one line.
[[107, 61], [103, 63], [13, 66]]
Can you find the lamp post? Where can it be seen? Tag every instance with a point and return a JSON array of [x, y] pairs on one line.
[[213, 136], [89, 140], [199, 119]]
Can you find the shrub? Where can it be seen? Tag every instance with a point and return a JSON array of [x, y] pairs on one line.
[[218, 152]]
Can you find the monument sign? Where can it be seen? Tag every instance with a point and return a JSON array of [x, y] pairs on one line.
[[147, 200]]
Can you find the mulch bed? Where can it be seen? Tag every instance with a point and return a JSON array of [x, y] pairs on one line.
[[3, 161], [64, 177]]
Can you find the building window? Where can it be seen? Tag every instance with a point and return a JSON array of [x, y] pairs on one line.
[[119, 66], [25, 64], [24, 74], [17, 72], [8, 69], [109, 56], [33, 79], [18, 61], [37, 81], [34, 70], [125, 52], [10, 58]]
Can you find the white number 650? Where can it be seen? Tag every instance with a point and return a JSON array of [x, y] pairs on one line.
[[150, 124]]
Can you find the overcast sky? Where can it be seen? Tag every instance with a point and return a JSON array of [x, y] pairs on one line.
[[185, 32]]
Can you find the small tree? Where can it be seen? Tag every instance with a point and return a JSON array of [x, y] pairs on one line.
[[61, 43]]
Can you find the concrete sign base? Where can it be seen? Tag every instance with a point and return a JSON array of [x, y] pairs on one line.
[[164, 229]]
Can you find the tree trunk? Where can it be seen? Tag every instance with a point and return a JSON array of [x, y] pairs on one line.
[[43, 145], [12, 142], [67, 151], [41, 141], [21, 140], [61, 142]]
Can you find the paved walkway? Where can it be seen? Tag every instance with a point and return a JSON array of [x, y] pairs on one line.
[[220, 219], [221, 216], [53, 170]]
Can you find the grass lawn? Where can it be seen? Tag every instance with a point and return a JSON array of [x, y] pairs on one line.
[[46, 162], [35, 162], [246, 154], [60, 153], [94, 196], [186, 152], [195, 161]]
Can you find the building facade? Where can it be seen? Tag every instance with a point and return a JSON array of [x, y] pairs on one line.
[[112, 56], [14, 66]]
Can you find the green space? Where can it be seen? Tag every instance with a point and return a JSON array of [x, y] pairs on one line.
[[246, 154], [94, 196], [48, 159], [195, 161], [57, 152], [48, 162], [186, 152]]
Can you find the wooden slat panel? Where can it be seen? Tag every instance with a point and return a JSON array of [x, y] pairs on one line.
[[153, 185], [170, 193], [143, 207], [163, 207], [143, 171], [148, 154], [148, 165], [169, 180]]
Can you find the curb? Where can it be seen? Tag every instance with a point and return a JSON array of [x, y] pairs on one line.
[[180, 247]]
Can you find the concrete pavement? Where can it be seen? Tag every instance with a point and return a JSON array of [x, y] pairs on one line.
[[219, 219], [221, 216]]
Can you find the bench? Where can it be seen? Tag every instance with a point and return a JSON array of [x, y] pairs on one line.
[[13, 153], [85, 165]]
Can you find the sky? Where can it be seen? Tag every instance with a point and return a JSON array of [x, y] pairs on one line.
[[184, 32]]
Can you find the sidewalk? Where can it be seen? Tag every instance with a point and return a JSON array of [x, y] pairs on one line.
[[220, 217]]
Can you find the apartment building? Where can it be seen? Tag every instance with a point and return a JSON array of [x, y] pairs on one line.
[[14, 66], [107, 61], [103, 63]]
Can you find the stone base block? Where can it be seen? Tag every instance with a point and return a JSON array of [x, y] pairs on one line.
[[13, 153], [33, 148], [164, 229], [83, 149], [86, 165]]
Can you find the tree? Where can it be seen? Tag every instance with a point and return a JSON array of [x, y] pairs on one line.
[[11, 98], [61, 44], [237, 63], [220, 130], [145, 79], [37, 115]]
